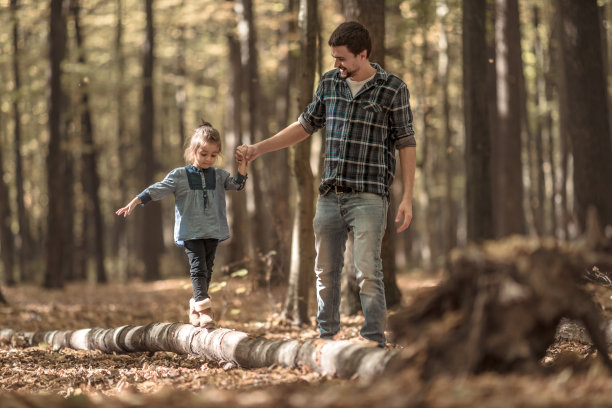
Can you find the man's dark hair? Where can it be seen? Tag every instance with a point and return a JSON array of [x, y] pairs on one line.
[[353, 35]]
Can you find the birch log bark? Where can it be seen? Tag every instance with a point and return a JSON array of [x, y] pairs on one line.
[[343, 359]]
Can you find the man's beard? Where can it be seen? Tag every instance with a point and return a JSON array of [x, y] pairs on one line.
[[346, 73]]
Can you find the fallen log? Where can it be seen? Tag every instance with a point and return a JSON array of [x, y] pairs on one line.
[[343, 359]]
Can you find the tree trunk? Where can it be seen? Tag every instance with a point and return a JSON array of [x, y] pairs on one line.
[[23, 240], [240, 246], [541, 108], [587, 100], [151, 242], [342, 359], [55, 162], [7, 247], [372, 15], [560, 84], [286, 112], [303, 246], [126, 235], [90, 179], [509, 215], [444, 64], [261, 229], [476, 114]]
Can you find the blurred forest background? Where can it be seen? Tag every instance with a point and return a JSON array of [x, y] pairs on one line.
[[511, 113]]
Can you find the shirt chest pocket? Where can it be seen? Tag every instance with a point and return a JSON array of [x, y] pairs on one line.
[[373, 112], [372, 107]]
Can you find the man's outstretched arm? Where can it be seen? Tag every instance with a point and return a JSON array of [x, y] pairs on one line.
[[289, 136]]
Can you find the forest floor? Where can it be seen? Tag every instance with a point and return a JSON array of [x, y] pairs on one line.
[[38, 376]]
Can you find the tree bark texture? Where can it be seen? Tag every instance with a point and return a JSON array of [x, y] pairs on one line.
[[261, 230], [239, 244], [121, 244], [303, 245], [333, 358], [587, 104], [55, 161], [371, 14], [508, 185], [93, 234], [151, 243], [23, 241], [7, 248], [477, 130]]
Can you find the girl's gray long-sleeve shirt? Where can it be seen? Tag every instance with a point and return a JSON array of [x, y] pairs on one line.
[[199, 210]]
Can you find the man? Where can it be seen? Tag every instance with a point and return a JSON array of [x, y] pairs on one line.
[[366, 113]]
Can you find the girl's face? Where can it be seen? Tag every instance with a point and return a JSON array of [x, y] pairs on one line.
[[206, 155]]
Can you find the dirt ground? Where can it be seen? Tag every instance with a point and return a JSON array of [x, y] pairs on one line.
[[38, 376]]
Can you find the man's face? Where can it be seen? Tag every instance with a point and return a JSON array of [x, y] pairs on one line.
[[348, 63]]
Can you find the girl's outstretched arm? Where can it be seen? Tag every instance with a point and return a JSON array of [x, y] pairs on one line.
[[127, 210]]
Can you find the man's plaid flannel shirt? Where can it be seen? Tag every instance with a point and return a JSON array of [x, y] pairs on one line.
[[362, 132]]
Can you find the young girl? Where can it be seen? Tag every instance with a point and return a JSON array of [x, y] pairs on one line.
[[200, 221]]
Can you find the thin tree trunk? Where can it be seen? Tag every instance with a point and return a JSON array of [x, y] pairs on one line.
[[587, 100], [444, 63], [342, 359], [260, 227], [55, 162], [240, 246], [562, 175], [24, 238], [303, 246], [477, 121], [372, 15], [7, 247], [510, 218], [151, 228], [121, 244], [542, 130], [90, 178]]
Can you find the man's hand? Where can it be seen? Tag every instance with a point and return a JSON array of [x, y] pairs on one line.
[[404, 211], [248, 152], [241, 154]]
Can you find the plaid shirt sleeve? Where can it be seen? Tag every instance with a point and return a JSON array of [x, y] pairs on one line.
[[313, 117], [400, 120]]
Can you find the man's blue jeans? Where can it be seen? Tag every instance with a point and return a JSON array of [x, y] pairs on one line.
[[366, 215]]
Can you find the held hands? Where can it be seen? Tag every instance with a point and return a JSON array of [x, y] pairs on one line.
[[248, 152], [127, 210], [241, 156]]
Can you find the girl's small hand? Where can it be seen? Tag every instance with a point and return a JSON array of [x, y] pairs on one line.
[[241, 153], [127, 210]]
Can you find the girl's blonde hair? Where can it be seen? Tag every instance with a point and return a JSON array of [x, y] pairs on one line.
[[205, 133]]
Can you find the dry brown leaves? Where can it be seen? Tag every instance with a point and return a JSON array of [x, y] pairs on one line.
[[40, 377]]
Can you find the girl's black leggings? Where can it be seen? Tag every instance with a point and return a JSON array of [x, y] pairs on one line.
[[201, 254]]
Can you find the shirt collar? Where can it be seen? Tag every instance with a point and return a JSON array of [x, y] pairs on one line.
[[381, 75]]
